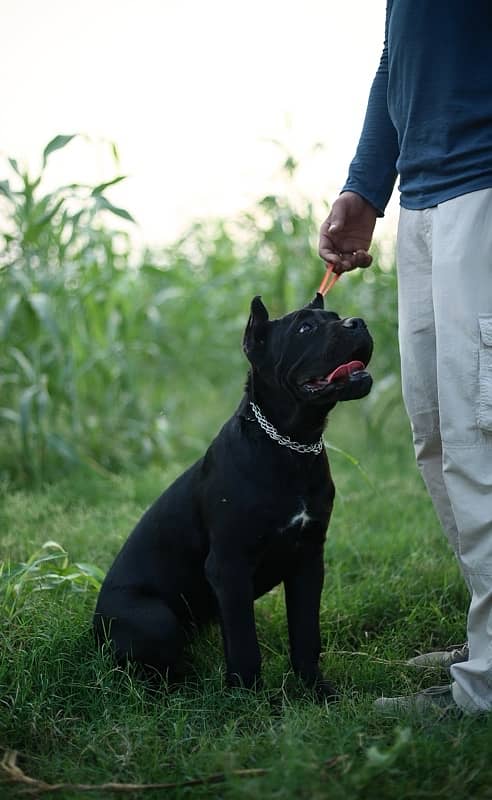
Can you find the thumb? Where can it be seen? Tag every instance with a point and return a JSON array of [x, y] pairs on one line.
[[337, 220]]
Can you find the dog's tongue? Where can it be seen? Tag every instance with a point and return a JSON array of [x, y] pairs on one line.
[[344, 370]]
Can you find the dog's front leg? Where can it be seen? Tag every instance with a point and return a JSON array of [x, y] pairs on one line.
[[231, 579], [302, 596]]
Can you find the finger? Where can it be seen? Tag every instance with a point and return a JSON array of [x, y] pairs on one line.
[[337, 217], [327, 249], [350, 261], [344, 265], [339, 263], [330, 258], [325, 226], [326, 245], [362, 258]]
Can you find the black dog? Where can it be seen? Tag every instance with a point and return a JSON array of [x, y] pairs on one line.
[[251, 513]]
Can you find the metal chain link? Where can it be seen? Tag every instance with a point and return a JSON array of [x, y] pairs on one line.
[[285, 440]]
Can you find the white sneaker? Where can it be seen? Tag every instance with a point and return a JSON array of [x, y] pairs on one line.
[[444, 659], [434, 700]]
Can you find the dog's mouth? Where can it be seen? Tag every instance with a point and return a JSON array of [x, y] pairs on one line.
[[341, 376]]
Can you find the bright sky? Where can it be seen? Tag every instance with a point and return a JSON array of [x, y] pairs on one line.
[[191, 92]]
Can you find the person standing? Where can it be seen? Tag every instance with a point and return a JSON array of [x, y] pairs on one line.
[[429, 121]]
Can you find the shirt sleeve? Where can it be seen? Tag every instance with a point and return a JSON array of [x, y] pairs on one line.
[[372, 173]]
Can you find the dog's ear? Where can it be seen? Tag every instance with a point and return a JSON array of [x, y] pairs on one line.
[[254, 335], [317, 301]]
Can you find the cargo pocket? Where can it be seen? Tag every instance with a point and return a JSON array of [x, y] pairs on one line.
[[485, 374]]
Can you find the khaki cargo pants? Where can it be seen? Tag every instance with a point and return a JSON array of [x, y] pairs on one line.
[[444, 257]]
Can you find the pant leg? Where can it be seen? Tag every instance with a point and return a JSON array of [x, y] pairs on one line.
[[417, 338], [462, 299]]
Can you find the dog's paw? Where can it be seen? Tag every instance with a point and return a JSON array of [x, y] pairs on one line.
[[315, 681], [325, 691]]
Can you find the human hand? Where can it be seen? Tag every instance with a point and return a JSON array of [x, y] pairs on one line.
[[346, 234]]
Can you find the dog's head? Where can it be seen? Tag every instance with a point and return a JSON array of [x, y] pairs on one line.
[[313, 354]]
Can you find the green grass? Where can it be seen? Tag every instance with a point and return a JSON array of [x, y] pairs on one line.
[[116, 368], [391, 587]]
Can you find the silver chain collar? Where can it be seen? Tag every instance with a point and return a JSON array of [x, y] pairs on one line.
[[285, 440]]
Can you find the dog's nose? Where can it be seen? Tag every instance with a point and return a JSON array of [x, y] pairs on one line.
[[353, 322]]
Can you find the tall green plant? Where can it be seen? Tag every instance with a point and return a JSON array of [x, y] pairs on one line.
[[111, 364], [58, 265]]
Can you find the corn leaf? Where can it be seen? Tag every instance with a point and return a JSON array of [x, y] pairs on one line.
[[97, 190], [56, 144], [103, 203]]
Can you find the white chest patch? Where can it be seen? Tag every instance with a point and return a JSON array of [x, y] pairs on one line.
[[301, 518]]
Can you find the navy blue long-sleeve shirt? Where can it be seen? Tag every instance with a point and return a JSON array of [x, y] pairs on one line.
[[429, 116]]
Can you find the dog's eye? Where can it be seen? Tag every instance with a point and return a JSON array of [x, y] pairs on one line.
[[305, 327]]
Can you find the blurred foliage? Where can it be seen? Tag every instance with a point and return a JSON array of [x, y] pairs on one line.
[[46, 570], [114, 360]]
